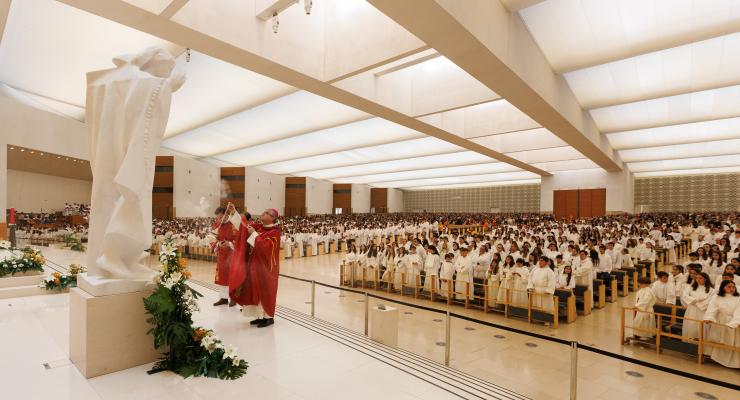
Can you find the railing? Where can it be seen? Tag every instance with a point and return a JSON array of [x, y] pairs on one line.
[[574, 346], [661, 328]]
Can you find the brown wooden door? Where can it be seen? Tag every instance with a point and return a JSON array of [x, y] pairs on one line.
[[584, 203], [571, 203], [558, 203], [598, 202]]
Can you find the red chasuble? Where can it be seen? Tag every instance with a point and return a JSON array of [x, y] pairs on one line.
[[254, 271], [225, 236]]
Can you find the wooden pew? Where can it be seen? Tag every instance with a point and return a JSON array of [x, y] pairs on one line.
[[599, 293], [566, 304], [584, 299], [621, 277], [612, 291]]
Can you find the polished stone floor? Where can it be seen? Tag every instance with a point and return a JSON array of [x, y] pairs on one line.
[[526, 365]]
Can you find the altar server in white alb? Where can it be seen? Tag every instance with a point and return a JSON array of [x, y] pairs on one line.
[[644, 319], [723, 316], [541, 283], [464, 275]]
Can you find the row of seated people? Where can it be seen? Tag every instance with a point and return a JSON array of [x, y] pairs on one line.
[[692, 313], [509, 281]]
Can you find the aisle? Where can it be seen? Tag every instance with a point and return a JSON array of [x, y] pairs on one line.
[[287, 362]]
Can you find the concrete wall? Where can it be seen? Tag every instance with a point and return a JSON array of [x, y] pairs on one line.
[[264, 190], [395, 200], [196, 188], [319, 196], [360, 199], [31, 192]]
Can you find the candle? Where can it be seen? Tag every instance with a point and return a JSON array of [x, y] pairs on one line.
[[12, 216]]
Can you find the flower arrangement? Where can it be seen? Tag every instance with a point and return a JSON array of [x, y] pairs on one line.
[[5, 245], [191, 351], [72, 241], [28, 260], [58, 282]]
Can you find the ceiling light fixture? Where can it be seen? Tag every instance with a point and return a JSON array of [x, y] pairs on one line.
[[307, 5], [23, 150], [187, 54], [275, 22]]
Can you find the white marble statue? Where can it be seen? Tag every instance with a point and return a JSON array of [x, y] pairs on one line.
[[126, 115]]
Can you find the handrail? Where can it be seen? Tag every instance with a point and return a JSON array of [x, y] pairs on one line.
[[568, 343]]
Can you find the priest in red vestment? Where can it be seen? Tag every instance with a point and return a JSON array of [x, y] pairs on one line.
[[223, 247], [255, 266]]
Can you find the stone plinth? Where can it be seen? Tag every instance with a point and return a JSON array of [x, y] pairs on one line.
[[384, 326], [108, 333], [21, 285]]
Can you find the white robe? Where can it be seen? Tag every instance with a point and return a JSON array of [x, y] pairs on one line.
[[724, 312], [431, 269], [446, 273], [664, 292], [518, 286], [542, 282], [463, 276], [583, 271], [696, 303], [644, 321]]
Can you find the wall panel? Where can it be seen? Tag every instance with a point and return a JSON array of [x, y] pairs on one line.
[[163, 197], [295, 196], [718, 192], [379, 200], [513, 198], [342, 197]]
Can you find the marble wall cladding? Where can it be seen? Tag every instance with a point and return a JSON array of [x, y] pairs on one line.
[[515, 198], [720, 192]]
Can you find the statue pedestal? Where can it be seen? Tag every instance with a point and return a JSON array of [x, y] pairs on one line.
[[109, 333], [21, 285]]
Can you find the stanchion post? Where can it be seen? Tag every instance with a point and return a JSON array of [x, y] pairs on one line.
[[367, 314], [313, 299], [573, 369], [448, 321]]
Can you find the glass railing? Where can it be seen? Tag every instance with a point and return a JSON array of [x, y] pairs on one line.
[[506, 356]]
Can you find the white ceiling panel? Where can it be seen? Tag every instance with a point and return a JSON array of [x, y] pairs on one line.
[[369, 132], [469, 185], [408, 164], [393, 151], [704, 149], [538, 138], [686, 163], [453, 180], [153, 6], [567, 165], [685, 108], [679, 172], [547, 155], [577, 33], [720, 129], [48, 47], [216, 89], [475, 169], [494, 117], [694, 67], [287, 116]]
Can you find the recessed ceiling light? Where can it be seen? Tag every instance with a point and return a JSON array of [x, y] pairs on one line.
[[32, 151], [23, 150], [59, 156], [41, 154], [66, 158], [12, 148]]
